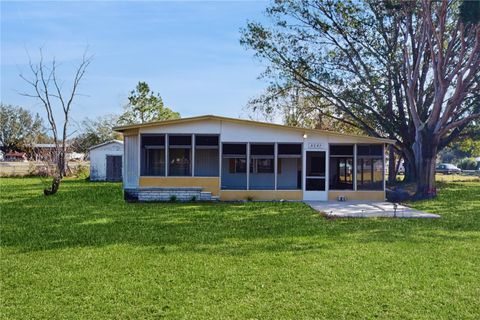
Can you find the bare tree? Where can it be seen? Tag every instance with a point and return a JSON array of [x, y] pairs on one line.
[[48, 89]]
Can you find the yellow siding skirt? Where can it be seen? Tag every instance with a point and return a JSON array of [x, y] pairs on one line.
[[357, 195], [231, 195]]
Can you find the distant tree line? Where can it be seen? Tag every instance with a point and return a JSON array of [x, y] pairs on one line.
[[20, 129]]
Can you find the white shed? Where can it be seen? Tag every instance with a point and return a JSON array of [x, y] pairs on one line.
[[106, 161]]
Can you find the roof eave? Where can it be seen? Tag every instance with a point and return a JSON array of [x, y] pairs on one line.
[[121, 129]]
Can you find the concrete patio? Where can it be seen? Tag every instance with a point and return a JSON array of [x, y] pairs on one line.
[[367, 209]]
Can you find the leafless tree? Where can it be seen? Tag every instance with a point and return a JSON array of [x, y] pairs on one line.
[[48, 89]]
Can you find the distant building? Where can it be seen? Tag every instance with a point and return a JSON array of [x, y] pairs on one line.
[[106, 161], [45, 152], [15, 156], [75, 156]]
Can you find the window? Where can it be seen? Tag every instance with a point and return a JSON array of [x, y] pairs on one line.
[[237, 165], [341, 150], [289, 166], [234, 166], [370, 167], [206, 156], [341, 167], [179, 155], [292, 149], [261, 166], [152, 155], [262, 176]]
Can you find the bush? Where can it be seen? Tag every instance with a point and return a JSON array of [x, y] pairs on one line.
[[467, 164], [82, 172], [173, 198], [193, 198]]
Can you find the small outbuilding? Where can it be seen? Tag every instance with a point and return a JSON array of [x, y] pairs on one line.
[[106, 161]]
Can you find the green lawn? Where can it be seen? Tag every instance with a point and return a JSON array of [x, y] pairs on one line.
[[84, 253]]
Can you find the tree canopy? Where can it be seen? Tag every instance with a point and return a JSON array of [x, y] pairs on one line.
[[19, 128], [145, 106], [96, 131]]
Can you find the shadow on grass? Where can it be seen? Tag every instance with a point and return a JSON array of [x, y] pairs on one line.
[[87, 214]]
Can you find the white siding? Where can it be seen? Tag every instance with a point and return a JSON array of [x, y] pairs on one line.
[[207, 127], [235, 132], [130, 162]]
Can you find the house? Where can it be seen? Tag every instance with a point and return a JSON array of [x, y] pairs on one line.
[[75, 156], [15, 156], [212, 157], [106, 161], [44, 151]]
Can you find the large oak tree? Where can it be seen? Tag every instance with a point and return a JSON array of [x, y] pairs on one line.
[[404, 70]]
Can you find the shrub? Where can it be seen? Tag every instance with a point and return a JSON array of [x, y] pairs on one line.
[[249, 198], [193, 198], [173, 198], [82, 171], [467, 164]]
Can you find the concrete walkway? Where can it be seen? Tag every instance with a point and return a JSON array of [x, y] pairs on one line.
[[367, 209]]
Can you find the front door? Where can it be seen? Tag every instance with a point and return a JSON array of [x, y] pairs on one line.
[[315, 176], [114, 168]]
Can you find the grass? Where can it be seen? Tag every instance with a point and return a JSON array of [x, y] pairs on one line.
[[85, 254], [456, 178]]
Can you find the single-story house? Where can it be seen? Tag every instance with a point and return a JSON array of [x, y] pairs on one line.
[[212, 157], [106, 161]]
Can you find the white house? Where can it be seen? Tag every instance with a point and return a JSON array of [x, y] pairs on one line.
[[210, 157], [106, 161]]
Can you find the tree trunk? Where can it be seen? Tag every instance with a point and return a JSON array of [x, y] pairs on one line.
[[409, 166], [61, 170], [54, 188], [62, 162], [425, 152], [392, 168]]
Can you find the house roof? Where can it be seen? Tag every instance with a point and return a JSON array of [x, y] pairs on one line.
[[15, 154], [47, 145], [44, 145], [105, 143], [245, 122]]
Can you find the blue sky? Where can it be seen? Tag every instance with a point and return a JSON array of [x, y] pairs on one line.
[[189, 52]]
